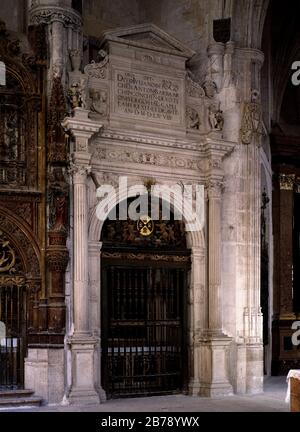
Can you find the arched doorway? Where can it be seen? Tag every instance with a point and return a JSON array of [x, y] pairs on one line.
[[13, 316], [145, 265]]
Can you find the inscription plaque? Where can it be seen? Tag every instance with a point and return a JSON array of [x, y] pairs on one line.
[[147, 97]]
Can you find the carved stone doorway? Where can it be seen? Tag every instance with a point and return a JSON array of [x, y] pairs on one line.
[[145, 266]]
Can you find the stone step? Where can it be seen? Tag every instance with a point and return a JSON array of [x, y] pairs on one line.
[[15, 393], [17, 398]]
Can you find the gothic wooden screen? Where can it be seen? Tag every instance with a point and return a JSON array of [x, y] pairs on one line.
[[13, 316], [144, 280]]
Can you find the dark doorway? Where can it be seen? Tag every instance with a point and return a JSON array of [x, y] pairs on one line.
[[144, 291], [12, 335]]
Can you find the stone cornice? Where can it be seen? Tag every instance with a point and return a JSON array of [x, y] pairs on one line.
[[49, 14], [80, 124]]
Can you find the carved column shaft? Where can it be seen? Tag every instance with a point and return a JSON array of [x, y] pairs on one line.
[[82, 344], [81, 322], [214, 257]]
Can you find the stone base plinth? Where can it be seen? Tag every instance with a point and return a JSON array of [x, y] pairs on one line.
[[83, 390], [214, 380], [44, 373]]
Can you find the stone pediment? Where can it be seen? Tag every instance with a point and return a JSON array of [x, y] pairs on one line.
[[148, 36]]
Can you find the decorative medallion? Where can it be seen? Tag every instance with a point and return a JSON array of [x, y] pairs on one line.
[[145, 226]]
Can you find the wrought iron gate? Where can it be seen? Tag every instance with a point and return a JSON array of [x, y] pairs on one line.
[[143, 316], [12, 336]]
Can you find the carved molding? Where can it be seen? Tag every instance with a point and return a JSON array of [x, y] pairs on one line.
[[24, 244], [143, 256], [9, 280], [148, 140]]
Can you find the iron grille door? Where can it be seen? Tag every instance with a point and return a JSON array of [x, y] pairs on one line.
[[142, 330], [12, 345]]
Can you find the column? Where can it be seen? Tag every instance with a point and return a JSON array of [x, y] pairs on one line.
[[95, 308], [285, 273], [214, 380], [198, 316], [82, 343]]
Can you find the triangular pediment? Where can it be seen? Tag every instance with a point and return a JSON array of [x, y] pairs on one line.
[[148, 36]]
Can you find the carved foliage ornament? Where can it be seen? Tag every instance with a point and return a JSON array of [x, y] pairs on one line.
[[158, 159], [98, 70]]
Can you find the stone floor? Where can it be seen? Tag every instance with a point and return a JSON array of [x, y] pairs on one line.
[[272, 400]]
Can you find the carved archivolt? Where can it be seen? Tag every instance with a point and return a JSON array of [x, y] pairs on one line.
[[24, 245]]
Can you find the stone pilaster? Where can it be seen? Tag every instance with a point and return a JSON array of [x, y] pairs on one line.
[[214, 376], [198, 316], [95, 309], [82, 342]]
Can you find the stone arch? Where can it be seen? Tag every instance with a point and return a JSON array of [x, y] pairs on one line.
[[23, 241], [195, 239], [196, 292]]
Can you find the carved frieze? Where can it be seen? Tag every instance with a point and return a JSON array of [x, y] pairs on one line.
[[143, 257], [147, 158]]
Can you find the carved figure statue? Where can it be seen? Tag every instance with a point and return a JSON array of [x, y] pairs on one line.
[[192, 118]]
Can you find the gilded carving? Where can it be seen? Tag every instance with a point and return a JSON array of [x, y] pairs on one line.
[[144, 256], [7, 255], [286, 181], [23, 242]]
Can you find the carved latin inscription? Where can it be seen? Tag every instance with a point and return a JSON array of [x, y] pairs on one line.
[[147, 97]]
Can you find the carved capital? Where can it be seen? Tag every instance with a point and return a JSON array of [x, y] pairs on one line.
[[57, 259], [47, 15], [79, 171], [286, 181], [214, 189]]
